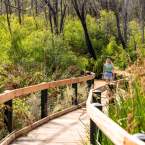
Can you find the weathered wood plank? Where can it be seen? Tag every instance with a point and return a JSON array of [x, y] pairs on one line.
[[65, 130], [9, 95], [31, 127]]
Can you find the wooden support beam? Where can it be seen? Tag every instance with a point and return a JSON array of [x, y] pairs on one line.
[[96, 100], [8, 115], [89, 83], [75, 99], [44, 103]]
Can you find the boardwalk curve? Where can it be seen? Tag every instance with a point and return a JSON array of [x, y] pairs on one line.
[[69, 129]]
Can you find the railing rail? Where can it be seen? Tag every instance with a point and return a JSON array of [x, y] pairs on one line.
[[107, 126], [8, 96]]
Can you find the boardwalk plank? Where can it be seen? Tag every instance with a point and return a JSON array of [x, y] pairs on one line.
[[65, 130], [69, 129]]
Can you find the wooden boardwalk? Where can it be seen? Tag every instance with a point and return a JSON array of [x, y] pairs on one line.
[[69, 129]]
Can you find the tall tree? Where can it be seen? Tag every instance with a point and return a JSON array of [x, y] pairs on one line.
[[8, 9], [117, 8], [142, 17], [1, 7], [19, 3], [125, 19], [57, 13], [80, 8]]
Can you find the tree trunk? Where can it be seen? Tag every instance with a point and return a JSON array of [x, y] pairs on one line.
[[55, 17], [32, 6], [9, 6], [36, 7], [22, 9], [62, 16], [119, 31], [125, 20], [19, 12], [88, 40], [7, 14], [82, 16], [1, 11], [142, 17], [50, 21], [46, 17], [142, 27]]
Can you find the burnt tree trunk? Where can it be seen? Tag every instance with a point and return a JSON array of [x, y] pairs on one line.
[[57, 13], [6, 2], [19, 11], [36, 7], [88, 40], [32, 6], [46, 17], [50, 21], [142, 18], [120, 37], [125, 19], [1, 5], [143, 33], [63, 14], [55, 16], [80, 11], [9, 6]]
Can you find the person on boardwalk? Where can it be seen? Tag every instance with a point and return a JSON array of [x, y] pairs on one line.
[[108, 70]]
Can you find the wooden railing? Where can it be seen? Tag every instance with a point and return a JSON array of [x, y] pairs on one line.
[[99, 122], [8, 96]]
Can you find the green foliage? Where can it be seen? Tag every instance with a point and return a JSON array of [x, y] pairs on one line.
[[21, 115], [107, 23], [13, 77], [135, 46], [127, 111], [37, 50], [117, 53], [5, 41], [112, 47], [16, 53], [74, 35]]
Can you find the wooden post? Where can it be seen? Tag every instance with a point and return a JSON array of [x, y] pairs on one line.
[[90, 83], [8, 115], [44, 103], [75, 99], [93, 81], [93, 128], [93, 132]]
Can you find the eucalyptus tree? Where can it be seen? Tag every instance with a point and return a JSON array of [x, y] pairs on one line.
[[121, 9], [142, 17], [80, 7], [8, 12], [57, 12]]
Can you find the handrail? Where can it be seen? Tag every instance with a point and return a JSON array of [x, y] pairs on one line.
[[111, 129], [9, 95]]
